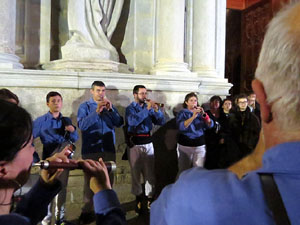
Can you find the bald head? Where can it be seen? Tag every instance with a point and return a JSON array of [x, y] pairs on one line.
[[279, 67]]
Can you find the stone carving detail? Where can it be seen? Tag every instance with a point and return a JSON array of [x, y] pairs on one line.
[[91, 25], [7, 38]]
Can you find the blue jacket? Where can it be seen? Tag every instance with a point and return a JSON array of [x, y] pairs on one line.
[[52, 132], [33, 207], [196, 128], [219, 197], [140, 119], [98, 130]]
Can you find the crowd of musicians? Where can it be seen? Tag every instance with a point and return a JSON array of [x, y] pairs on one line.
[[214, 135]]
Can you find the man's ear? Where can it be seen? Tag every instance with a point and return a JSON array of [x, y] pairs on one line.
[[265, 108], [3, 170]]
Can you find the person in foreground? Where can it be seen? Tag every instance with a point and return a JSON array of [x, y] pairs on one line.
[[218, 196], [16, 154]]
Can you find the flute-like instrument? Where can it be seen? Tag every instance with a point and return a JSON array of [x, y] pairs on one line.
[[71, 165], [202, 113], [156, 103]]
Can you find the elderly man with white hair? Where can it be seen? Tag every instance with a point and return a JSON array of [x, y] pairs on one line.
[[219, 196]]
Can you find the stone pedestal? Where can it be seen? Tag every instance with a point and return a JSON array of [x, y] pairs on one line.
[[82, 52], [8, 59], [86, 66], [80, 58]]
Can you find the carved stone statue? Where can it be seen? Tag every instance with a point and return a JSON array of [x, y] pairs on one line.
[[91, 25]]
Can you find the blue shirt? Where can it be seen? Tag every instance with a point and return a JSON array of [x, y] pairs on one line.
[[108, 209], [52, 132], [219, 197], [196, 128], [140, 119], [98, 130]]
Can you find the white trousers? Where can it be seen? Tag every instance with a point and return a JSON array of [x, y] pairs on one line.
[[59, 200], [141, 160], [189, 157]]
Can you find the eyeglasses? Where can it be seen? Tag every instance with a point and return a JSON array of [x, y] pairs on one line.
[[244, 102], [143, 93]]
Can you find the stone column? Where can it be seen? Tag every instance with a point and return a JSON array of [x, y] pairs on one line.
[[208, 45], [169, 38], [45, 31], [8, 59]]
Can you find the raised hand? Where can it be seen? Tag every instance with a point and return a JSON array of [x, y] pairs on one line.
[[108, 104], [70, 128], [101, 105]]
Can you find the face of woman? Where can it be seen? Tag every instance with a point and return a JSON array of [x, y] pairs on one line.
[[191, 103], [227, 106], [215, 104], [19, 168]]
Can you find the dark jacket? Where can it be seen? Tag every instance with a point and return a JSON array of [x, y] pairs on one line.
[[256, 111], [33, 206], [224, 124], [228, 149], [212, 139], [245, 128]]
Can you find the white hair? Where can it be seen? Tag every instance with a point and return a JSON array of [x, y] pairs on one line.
[[279, 67]]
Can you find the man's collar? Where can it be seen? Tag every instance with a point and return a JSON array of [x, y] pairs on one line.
[[135, 104], [50, 115], [92, 101]]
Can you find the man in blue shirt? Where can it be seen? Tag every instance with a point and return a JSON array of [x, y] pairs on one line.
[[54, 130], [219, 196], [140, 115], [97, 119]]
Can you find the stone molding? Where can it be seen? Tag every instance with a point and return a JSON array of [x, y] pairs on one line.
[[113, 81]]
